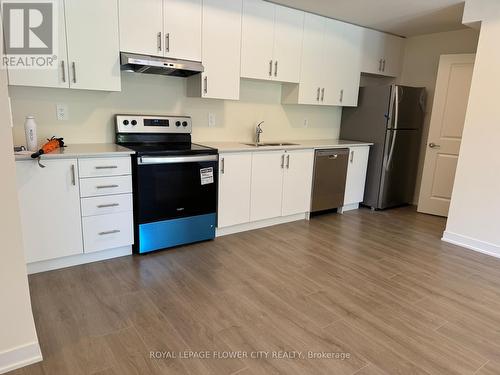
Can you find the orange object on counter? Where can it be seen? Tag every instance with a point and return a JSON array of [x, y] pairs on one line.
[[51, 145]]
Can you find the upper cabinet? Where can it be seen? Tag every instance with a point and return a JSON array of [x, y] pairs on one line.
[[331, 64], [170, 28], [88, 57], [221, 48], [271, 41], [382, 53]]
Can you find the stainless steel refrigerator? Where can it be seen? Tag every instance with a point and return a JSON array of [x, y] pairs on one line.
[[392, 118]]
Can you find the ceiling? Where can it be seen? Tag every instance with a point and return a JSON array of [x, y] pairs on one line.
[[400, 17]]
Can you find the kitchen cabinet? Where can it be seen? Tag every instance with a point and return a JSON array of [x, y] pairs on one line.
[[170, 28], [221, 47], [297, 182], [234, 189], [331, 64], [382, 53], [49, 205], [271, 41], [88, 56], [356, 175]]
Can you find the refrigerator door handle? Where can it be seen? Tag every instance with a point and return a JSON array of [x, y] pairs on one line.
[[393, 138]]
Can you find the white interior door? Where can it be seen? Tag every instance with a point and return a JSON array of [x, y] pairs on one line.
[[182, 29], [445, 134]]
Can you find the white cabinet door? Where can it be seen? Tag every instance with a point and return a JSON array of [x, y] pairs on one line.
[[356, 175], [267, 184], [234, 189], [221, 49], [288, 34], [382, 53], [56, 77], [141, 26], [393, 55], [257, 39], [49, 203], [182, 29], [297, 182], [93, 44], [311, 75]]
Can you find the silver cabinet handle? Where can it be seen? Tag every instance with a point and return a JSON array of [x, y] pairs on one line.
[[167, 42], [282, 161], [158, 40], [341, 95], [205, 85], [433, 145], [107, 186], [63, 68], [323, 94], [73, 65], [352, 156], [383, 66], [109, 232], [275, 68], [317, 95], [108, 205], [73, 175], [222, 166], [270, 68], [380, 65], [288, 161], [106, 167], [334, 156]]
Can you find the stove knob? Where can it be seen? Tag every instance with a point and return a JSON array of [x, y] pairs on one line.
[[184, 123], [134, 123], [177, 123], [125, 122]]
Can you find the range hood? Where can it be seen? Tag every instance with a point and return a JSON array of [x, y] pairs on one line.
[[159, 65]]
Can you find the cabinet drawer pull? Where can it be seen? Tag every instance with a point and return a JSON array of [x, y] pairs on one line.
[[106, 167], [109, 232], [73, 175], [108, 205], [107, 186]]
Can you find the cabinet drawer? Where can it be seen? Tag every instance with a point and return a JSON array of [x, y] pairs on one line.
[[96, 167], [91, 187], [108, 204], [107, 231]]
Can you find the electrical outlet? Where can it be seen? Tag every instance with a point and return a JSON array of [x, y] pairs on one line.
[[211, 120], [306, 123], [62, 112]]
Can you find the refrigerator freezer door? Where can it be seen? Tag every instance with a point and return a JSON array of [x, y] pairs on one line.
[[397, 184]]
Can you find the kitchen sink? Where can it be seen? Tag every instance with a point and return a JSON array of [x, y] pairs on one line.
[[277, 144]]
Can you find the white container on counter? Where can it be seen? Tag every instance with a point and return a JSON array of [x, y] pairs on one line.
[[30, 132]]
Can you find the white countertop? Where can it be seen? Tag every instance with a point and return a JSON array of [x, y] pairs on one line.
[[297, 145], [84, 150]]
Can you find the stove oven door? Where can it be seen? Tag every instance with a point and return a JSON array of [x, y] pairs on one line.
[[176, 200]]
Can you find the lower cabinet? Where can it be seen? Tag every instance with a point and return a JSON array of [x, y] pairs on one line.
[[263, 185], [356, 176], [49, 204]]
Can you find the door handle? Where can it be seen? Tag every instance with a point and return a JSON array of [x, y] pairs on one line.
[[433, 145], [335, 156], [158, 40]]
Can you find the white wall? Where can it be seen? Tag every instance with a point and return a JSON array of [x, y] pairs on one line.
[[420, 67], [91, 112], [18, 339], [474, 218]]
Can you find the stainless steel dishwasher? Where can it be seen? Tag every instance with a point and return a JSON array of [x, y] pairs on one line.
[[330, 172]]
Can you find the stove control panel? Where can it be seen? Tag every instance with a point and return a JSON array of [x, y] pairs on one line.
[[153, 124]]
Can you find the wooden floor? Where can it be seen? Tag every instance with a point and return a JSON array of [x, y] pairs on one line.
[[378, 288]]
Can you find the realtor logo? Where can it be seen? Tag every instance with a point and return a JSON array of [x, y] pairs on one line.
[[30, 30]]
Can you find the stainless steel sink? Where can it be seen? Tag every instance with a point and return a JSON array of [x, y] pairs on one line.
[[277, 144]]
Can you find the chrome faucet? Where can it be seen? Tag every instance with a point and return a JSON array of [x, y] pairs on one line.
[[258, 132]]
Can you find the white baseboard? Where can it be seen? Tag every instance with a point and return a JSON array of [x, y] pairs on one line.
[[19, 357], [260, 224], [74, 260], [472, 244]]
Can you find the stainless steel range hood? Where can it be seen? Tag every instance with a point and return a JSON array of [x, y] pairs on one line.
[[159, 65]]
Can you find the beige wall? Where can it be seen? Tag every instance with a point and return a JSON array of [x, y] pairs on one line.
[[91, 112], [17, 329], [420, 67], [475, 205]]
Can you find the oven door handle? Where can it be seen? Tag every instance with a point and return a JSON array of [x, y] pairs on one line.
[[147, 160]]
